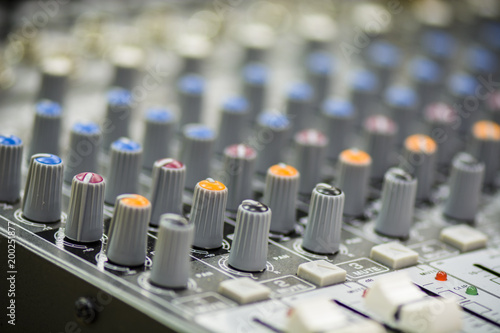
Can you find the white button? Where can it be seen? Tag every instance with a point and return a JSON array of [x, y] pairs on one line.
[[394, 255], [365, 326], [463, 237], [244, 290], [315, 315], [321, 272]]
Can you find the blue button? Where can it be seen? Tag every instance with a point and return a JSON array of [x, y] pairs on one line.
[[338, 107], [439, 44], [159, 115], [199, 132], [425, 70], [462, 84], [274, 120], [481, 60], [125, 144], [384, 54], [48, 159], [400, 96], [300, 91], [86, 128], [192, 84], [48, 108], [320, 62], [236, 104], [255, 73], [10, 140], [119, 97], [364, 80]]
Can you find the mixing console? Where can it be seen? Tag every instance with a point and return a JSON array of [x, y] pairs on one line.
[[264, 166]]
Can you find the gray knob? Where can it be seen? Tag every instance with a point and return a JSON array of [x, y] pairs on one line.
[[207, 213], [419, 160], [158, 136], [256, 38], [171, 263], [233, 123], [337, 118], [465, 183], [353, 178], [54, 83], [193, 49], [427, 76], [86, 208], [11, 154], [83, 153], [402, 104], [239, 167], [249, 247], [46, 128], [383, 58], [126, 60], [364, 94], [299, 106], [255, 80], [273, 129], [43, 190], [128, 230], [124, 169], [484, 145], [398, 200], [196, 152], [118, 114], [310, 153], [280, 194], [461, 86], [324, 223], [190, 91], [380, 140], [320, 68], [169, 177]]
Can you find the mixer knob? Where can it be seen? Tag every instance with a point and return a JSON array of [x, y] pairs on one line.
[[86, 208], [280, 194], [46, 128], [255, 78], [55, 72], [320, 66], [318, 30], [171, 263], [124, 169], [364, 87], [310, 148], [466, 179], [191, 88], [169, 177], [256, 38], [398, 199], [158, 136], [234, 119], [239, 167], [484, 144], [337, 118], [273, 128], [402, 103], [43, 191], [383, 58], [440, 46], [461, 86], [128, 230], [11, 154], [127, 61], [419, 160], [193, 48], [428, 78], [84, 141], [207, 213], [118, 115], [196, 152], [249, 248], [324, 223], [380, 138], [353, 178], [299, 106]]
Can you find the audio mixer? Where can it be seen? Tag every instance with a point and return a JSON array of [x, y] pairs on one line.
[[261, 166]]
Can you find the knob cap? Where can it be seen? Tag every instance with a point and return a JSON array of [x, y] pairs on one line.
[[191, 89], [255, 80], [310, 149], [43, 190], [398, 199], [320, 66], [207, 213], [274, 129], [324, 223], [169, 177], [353, 178], [86, 208], [380, 138], [128, 230], [158, 136], [196, 152], [234, 119], [249, 247], [171, 263], [46, 128], [118, 115], [337, 118], [484, 145], [124, 169], [280, 194], [299, 106], [83, 154], [11, 154], [466, 179], [239, 167]]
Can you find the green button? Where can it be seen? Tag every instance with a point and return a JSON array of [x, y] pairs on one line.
[[471, 290]]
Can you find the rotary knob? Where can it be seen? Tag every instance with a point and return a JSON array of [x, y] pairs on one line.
[[128, 230], [255, 78], [337, 118], [118, 115], [322, 234], [55, 72], [427, 77], [43, 191], [484, 144], [83, 153], [158, 136], [191, 89], [46, 128], [383, 58], [11, 154], [127, 61], [380, 138], [320, 66], [310, 153], [299, 106], [274, 128], [207, 213], [249, 248], [234, 119], [402, 104], [461, 86], [86, 208], [364, 96]]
